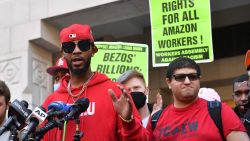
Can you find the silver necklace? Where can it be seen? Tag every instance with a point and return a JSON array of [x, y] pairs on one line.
[[82, 90]]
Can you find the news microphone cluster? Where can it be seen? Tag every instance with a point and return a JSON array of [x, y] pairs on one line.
[[37, 116], [72, 112], [17, 115]]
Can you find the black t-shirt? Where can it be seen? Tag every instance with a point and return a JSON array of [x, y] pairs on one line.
[[150, 107], [245, 118]]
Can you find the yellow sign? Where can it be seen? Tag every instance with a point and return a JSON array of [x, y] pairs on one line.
[[180, 29], [114, 58]]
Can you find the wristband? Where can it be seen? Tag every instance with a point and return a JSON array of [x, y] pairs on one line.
[[125, 120]]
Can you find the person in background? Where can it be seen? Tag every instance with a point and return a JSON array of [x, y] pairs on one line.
[[4, 105], [209, 94], [58, 71], [135, 83], [158, 105], [242, 100]]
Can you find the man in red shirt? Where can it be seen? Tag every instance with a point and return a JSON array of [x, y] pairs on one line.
[[100, 122], [188, 118]]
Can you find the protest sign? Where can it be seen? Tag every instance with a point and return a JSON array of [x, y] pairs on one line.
[[180, 28], [114, 58]]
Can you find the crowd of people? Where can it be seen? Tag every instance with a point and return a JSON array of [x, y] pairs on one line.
[[118, 111]]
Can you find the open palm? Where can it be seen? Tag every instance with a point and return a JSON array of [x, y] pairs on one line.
[[122, 105]]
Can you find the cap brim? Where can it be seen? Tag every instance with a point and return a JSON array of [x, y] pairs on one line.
[[53, 70]]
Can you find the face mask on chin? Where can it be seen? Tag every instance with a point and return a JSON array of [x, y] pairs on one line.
[[139, 99], [56, 86]]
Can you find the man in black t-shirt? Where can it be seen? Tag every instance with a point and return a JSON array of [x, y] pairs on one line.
[[242, 99]]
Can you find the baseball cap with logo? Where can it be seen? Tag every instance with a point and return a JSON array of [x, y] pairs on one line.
[[61, 64], [247, 60], [76, 32]]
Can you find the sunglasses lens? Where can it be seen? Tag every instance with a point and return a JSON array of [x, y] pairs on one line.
[[193, 77], [84, 45], [68, 47], [182, 77]]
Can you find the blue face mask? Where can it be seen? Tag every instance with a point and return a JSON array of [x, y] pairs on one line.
[[56, 86]]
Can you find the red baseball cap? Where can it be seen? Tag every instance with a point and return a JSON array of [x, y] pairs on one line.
[[247, 60], [61, 64], [76, 32]]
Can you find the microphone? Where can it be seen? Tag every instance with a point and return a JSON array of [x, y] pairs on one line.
[[61, 113], [38, 115], [17, 115], [79, 106], [55, 123], [55, 106], [73, 111]]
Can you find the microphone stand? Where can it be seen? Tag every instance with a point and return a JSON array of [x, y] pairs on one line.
[[13, 134], [32, 137], [50, 125], [78, 134]]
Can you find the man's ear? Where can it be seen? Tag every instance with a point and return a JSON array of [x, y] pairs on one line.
[[146, 91], [233, 96], [167, 80], [95, 49], [61, 51], [8, 104]]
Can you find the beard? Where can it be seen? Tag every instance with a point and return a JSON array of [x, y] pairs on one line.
[[79, 71]]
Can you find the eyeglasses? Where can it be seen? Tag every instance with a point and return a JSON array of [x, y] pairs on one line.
[[83, 45], [182, 77]]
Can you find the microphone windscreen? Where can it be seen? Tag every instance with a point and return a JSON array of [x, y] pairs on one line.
[[25, 103], [57, 106], [83, 103], [18, 109]]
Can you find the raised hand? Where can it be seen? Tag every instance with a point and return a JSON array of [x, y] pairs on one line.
[[122, 105], [158, 105]]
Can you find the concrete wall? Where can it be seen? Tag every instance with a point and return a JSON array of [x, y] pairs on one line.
[[29, 44]]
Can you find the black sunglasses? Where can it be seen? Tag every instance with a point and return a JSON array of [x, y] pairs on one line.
[[83, 45], [182, 77]]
